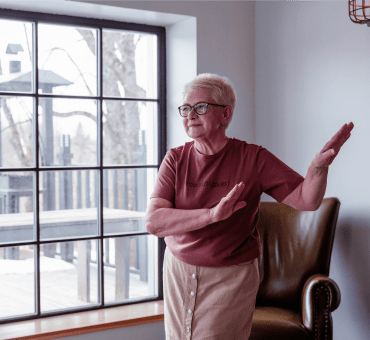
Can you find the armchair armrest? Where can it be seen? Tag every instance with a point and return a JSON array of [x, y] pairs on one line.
[[320, 297]]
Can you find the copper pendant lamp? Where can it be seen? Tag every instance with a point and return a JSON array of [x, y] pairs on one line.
[[359, 11]]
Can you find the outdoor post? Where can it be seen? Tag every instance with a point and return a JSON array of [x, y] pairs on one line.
[[1, 148], [106, 205], [83, 270], [122, 264], [47, 140], [141, 205], [65, 189], [47, 81], [87, 188], [79, 189], [122, 251], [47, 147]]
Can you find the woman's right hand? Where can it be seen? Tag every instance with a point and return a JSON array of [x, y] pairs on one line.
[[228, 205]]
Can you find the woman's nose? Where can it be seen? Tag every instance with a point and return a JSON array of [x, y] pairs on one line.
[[192, 114]]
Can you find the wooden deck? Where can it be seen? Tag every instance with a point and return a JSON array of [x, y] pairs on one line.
[[67, 223], [59, 290]]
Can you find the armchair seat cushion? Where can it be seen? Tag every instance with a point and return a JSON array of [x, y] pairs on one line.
[[278, 324]]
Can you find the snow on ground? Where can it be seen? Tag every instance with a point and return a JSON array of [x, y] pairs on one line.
[[47, 264]]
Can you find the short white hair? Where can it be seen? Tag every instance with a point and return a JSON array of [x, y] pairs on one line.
[[221, 89]]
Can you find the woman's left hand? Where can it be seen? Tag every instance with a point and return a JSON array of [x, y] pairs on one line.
[[331, 149], [310, 193]]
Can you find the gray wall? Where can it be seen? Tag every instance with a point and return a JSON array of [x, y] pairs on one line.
[[312, 76]]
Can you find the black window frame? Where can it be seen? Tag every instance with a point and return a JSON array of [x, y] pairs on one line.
[[99, 24]]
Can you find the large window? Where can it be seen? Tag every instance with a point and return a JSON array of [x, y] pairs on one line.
[[82, 118]]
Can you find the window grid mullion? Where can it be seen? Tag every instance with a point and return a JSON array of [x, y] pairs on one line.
[[100, 163], [36, 162], [63, 96], [93, 167]]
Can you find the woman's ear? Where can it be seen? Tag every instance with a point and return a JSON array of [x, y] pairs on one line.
[[227, 114]]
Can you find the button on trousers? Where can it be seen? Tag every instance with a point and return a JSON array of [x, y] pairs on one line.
[[208, 303]]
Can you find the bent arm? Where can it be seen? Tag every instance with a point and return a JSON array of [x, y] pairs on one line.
[[310, 193], [163, 220]]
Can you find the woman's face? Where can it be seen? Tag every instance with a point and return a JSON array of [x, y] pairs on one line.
[[206, 126]]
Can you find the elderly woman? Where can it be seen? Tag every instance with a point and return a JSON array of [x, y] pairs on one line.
[[205, 203]]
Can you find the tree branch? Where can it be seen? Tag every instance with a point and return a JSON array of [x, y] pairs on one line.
[[89, 38], [75, 113], [19, 123], [28, 44], [15, 139], [73, 62]]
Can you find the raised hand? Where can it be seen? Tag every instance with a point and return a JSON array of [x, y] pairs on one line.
[[228, 205], [331, 149]]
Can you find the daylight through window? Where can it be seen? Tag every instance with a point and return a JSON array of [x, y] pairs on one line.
[[81, 139]]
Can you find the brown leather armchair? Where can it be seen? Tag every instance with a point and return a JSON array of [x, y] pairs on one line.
[[296, 296]]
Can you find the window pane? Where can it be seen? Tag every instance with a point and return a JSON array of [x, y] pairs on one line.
[[16, 132], [68, 202], [130, 132], [16, 72], [129, 64], [68, 132], [16, 207], [125, 196], [130, 268], [67, 60], [69, 275], [17, 281]]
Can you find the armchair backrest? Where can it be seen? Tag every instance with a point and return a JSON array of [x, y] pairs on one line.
[[295, 245]]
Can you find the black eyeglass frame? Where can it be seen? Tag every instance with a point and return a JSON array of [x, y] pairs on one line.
[[196, 106]]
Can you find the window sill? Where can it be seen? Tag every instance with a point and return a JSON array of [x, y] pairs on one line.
[[84, 322]]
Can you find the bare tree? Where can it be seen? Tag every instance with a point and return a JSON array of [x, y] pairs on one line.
[[121, 122], [121, 118], [23, 151]]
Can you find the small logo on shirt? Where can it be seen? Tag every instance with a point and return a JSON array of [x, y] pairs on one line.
[[207, 184]]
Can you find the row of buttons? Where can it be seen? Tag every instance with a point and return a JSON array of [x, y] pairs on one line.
[[190, 311]]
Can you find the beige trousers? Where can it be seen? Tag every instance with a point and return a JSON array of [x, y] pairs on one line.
[[208, 303]]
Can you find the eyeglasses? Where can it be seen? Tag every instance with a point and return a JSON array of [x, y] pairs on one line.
[[199, 108]]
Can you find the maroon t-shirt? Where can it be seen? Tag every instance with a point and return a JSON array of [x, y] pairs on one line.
[[191, 180]]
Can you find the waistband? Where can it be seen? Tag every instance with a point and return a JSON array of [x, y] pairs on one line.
[[248, 262]]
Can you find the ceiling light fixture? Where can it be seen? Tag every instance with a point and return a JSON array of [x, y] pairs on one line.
[[359, 11]]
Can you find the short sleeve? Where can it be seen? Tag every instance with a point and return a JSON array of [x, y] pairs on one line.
[[165, 184], [276, 178]]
